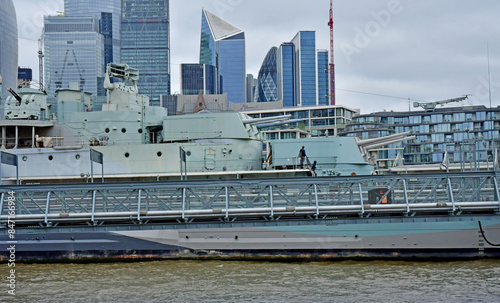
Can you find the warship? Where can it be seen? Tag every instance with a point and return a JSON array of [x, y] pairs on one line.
[[208, 186]]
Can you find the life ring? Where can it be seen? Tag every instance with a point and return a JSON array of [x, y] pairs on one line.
[[353, 174]]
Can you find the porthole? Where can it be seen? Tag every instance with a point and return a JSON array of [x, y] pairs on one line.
[[139, 130], [124, 130], [127, 155], [188, 153], [159, 154], [51, 158], [25, 158], [107, 130], [77, 157]]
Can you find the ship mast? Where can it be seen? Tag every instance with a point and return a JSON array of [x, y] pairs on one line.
[[40, 64]]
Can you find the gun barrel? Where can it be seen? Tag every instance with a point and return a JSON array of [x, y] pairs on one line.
[[279, 123], [257, 121], [18, 98], [366, 142]]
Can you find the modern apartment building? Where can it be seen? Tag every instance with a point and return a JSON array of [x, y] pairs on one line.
[[455, 134], [306, 121]]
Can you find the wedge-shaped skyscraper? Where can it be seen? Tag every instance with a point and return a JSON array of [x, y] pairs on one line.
[[223, 46]]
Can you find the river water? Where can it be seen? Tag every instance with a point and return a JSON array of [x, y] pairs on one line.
[[230, 281]]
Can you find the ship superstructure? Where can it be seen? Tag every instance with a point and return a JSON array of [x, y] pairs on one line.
[[141, 142]]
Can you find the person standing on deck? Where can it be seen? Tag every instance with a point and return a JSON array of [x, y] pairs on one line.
[[302, 156]]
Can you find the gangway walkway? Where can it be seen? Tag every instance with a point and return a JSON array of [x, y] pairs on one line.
[[251, 200]]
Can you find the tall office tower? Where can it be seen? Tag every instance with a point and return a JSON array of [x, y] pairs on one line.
[[286, 74], [268, 77], [306, 66], [145, 44], [74, 52], [8, 49], [109, 14], [251, 83], [323, 78], [223, 46], [197, 78]]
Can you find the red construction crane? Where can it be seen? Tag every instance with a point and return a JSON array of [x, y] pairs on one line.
[[332, 64]]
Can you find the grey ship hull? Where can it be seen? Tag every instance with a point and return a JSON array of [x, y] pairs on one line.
[[439, 237], [432, 216]]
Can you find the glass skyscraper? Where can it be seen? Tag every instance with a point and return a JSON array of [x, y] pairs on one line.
[[223, 46], [74, 52], [109, 14], [197, 78], [302, 72], [268, 77], [306, 79], [323, 77], [8, 49], [286, 74], [145, 44]]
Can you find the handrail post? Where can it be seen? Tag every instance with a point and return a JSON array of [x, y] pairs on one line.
[[494, 180], [93, 206], [227, 203], [406, 197], [271, 202], [47, 208], [139, 206], [450, 189], [317, 202], [496, 190], [183, 203], [361, 199]]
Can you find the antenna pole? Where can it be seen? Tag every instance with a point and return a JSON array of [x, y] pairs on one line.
[[40, 64], [489, 74]]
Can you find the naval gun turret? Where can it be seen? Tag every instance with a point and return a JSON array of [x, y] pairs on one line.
[[26, 104]]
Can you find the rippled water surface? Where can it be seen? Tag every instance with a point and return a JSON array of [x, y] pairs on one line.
[[228, 281]]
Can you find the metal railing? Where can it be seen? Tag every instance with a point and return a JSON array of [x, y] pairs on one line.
[[269, 199]]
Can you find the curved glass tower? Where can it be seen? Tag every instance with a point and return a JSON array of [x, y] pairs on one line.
[[268, 77], [8, 48]]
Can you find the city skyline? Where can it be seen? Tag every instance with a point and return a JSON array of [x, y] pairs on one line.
[[394, 48]]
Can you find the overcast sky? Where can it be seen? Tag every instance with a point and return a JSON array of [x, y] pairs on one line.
[[386, 51]]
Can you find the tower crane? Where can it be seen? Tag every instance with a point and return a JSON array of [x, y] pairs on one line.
[[332, 64], [431, 106]]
